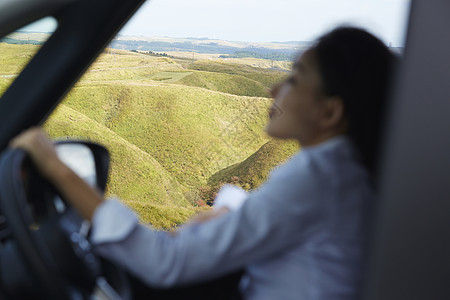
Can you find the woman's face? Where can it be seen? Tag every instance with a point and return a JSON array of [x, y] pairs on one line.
[[298, 103]]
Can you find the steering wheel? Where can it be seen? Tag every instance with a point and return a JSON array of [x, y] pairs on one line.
[[48, 243]]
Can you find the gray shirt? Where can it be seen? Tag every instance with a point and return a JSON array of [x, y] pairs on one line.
[[301, 235]]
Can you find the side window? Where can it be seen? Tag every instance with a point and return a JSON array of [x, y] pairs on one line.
[[17, 49], [180, 97]]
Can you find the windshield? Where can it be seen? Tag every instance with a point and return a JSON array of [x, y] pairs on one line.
[[19, 47]]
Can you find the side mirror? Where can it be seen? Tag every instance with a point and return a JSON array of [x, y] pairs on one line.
[[88, 160]]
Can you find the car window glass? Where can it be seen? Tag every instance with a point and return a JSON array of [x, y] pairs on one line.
[[17, 49], [183, 112]]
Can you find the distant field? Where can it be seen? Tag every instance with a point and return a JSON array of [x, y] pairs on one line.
[[260, 63], [173, 126], [170, 77], [254, 62], [192, 56]]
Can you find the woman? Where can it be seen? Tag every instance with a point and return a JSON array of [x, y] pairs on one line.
[[302, 234]]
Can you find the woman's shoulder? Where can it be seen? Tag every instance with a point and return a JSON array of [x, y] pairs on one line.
[[318, 158], [312, 179]]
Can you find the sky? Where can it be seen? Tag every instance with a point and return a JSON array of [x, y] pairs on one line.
[[268, 20]]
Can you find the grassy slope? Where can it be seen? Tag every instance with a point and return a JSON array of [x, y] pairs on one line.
[[14, 57], [265, 77], [4, 84], [12, 60], [169, 124], [192, 132], [254, 170], [227, 83], [143, 183], [173, 122]]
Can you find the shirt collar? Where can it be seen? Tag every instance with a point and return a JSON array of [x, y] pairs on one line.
[[333, 142]]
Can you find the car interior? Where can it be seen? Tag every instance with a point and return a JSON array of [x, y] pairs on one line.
[[410, 250]]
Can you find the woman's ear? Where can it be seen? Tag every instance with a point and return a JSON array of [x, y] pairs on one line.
[[333, 112]]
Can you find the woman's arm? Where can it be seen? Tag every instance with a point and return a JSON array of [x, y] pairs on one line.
[[271, 220], [74, 189], [276, 216]]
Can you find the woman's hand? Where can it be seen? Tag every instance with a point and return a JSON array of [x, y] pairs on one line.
[[73, 189], [41, 150]]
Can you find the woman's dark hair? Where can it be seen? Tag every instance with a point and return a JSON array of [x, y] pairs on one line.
[[357, 67]]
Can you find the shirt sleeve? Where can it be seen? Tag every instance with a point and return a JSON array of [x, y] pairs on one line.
[[282, 212], [113, 222]]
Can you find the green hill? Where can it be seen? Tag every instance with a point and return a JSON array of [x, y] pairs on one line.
[[227, 83], [254, 170], [14, 57], [173, 127], [266, 77], [135, 176], [12, 60], [191, 132]]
